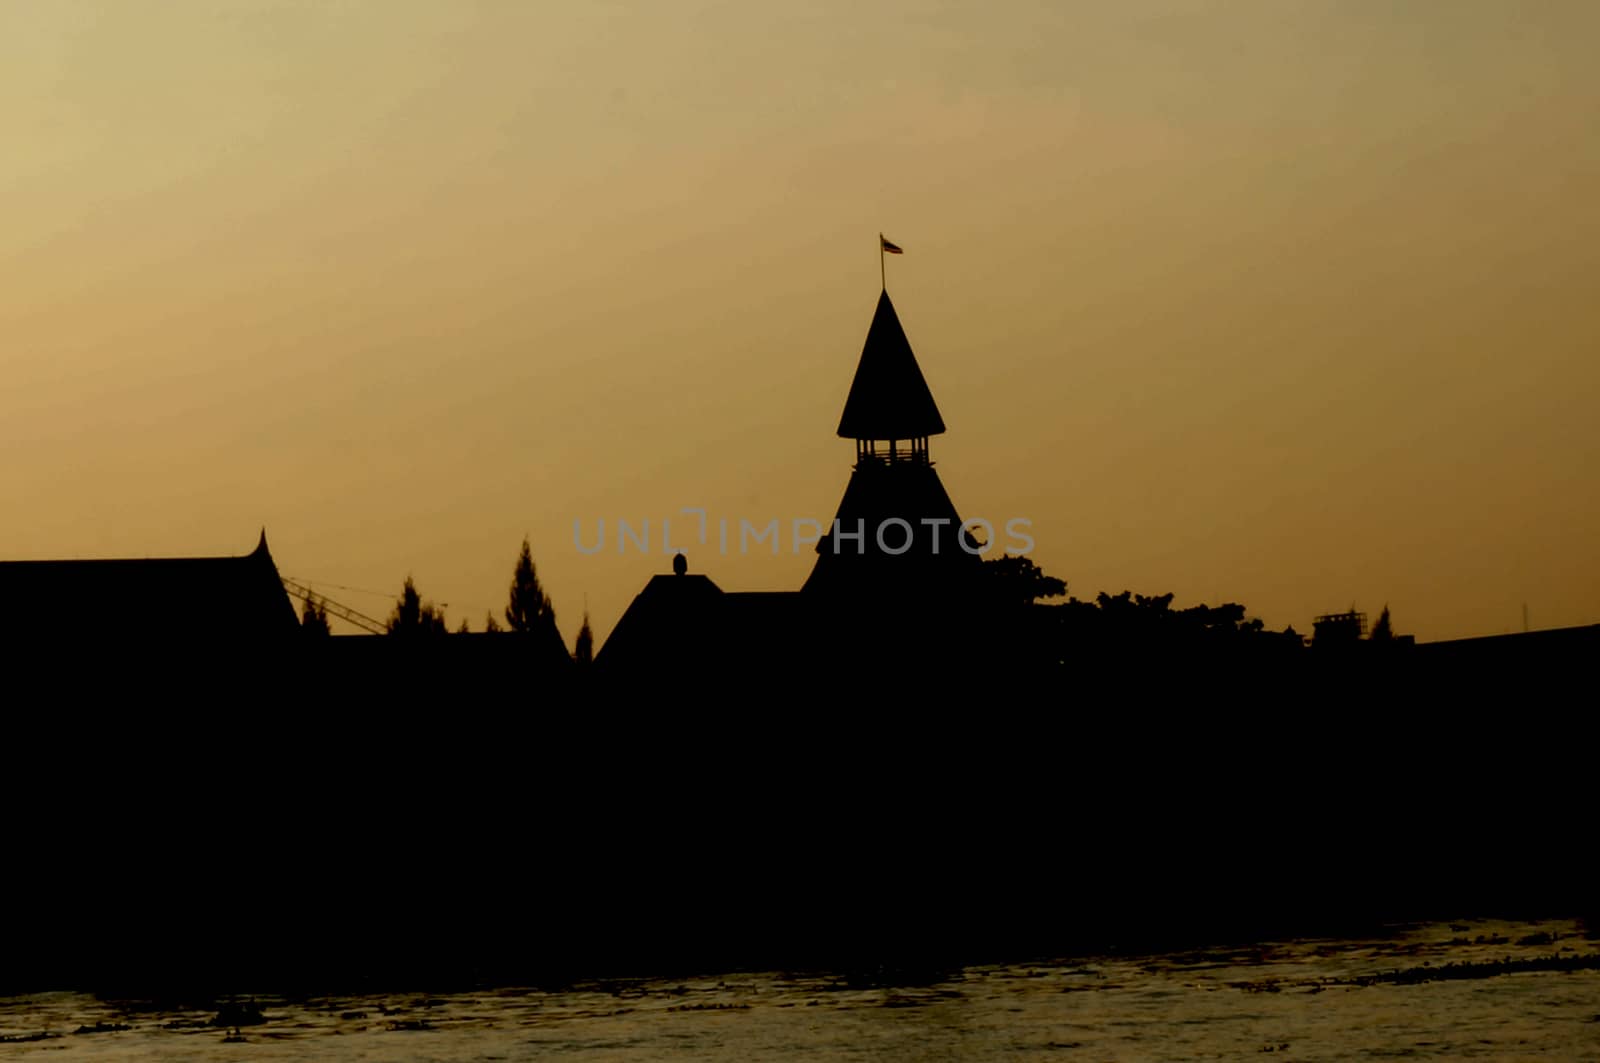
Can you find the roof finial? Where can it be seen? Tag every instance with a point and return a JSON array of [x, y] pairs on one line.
[[261, 545]]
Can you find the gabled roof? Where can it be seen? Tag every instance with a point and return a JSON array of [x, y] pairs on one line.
[[889, 399], [168, 599]]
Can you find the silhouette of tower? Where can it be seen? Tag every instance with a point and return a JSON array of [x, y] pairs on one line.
[[896, 532], [890, 600]]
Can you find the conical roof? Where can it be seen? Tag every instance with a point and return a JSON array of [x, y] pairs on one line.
[[896, 531], [889, 399]]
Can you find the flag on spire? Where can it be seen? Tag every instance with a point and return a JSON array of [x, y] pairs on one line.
[[893, 249]]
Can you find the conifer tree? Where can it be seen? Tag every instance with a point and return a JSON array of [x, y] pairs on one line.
[[314, 618], [413, 616], [584, 651], [1382, 631], [529, 609]]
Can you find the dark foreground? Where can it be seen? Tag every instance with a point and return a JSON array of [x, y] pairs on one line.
[[280, 831], [1491, 989]]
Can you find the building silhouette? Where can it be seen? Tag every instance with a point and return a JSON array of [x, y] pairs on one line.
[[896, 531], [896, 580], [237, 600], [217, 632]]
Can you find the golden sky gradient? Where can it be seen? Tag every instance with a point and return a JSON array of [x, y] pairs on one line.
[[1286, 303]]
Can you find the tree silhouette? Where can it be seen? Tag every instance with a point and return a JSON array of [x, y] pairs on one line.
[[463, 629], [412, 616], [583, 652], [1016, 580], [1382, 631], [1126, 626], [529, 608], [314, 618]]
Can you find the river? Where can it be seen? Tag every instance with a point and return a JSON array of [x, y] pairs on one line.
[[1481, 990]]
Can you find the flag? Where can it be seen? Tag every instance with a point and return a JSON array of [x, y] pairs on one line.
[[887, 246]]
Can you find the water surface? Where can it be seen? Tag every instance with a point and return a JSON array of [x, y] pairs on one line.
[[1485, 990]]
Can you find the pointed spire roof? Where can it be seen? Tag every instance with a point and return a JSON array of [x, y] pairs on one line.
[[889, 399]]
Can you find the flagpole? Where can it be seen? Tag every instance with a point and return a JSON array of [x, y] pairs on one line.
[[882, 278]]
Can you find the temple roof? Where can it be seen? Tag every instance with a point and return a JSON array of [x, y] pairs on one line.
[[144, 599], [889, 399]]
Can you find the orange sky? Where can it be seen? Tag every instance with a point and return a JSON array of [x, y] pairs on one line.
[[1285, 304]]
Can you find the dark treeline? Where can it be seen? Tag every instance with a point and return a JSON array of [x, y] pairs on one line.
[[528, 609], [1041, 626], [1059, 631]]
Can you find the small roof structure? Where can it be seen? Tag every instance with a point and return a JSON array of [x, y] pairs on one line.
[[671, 621], [684, 625], [788, 646], [889, 399]]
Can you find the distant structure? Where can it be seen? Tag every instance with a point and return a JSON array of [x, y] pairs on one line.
[[223, 631], [1338, 629], [895, 576]]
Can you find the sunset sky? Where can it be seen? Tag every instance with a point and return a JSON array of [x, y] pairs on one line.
[[1291, 303]]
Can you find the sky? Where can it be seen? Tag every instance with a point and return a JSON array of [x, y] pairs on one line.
[[1290, 304]]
